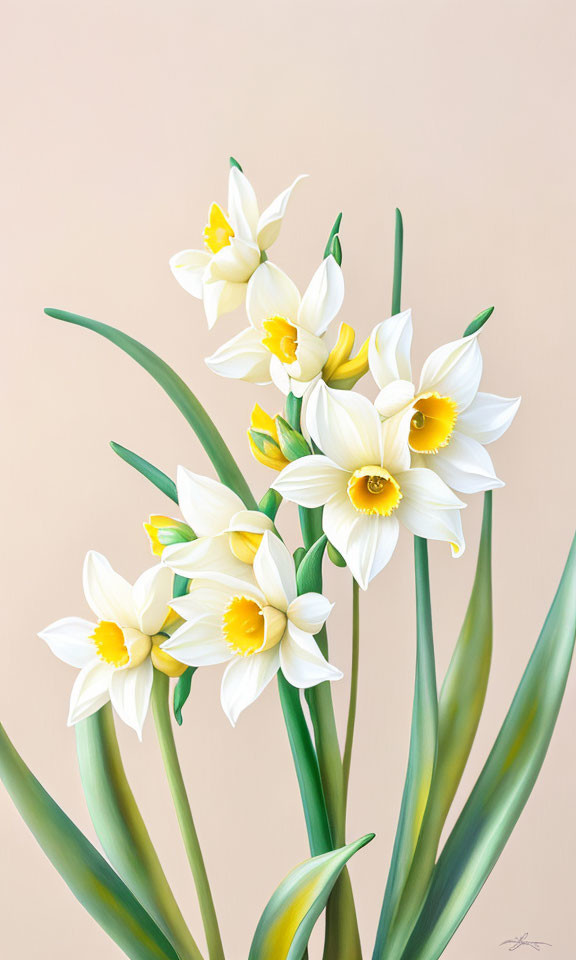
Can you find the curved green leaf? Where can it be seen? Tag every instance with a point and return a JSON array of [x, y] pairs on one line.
[[148, 470], [421, 760], [182, 692], [506, 781], [478, 322], [329, 248], [90, 878], [288, 920], [121, 829], [309, 575], [191, 408]]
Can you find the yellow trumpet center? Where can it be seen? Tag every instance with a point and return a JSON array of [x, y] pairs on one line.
[[374, 491], [244, 545], [248, 628], [281, 338], [432, 423], [110, 644], [217, 232]]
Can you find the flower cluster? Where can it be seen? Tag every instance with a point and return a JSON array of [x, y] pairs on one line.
[[361, 468]]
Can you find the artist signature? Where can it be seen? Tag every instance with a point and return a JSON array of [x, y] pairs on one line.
[[523, 941]]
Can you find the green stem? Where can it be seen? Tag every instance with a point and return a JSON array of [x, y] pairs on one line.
[[398, 255], [162, 719], [353, 691]]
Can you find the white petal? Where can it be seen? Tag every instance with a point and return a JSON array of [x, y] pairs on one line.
[[271, 293], [311, 481], [394, 397], [488, 417], [395, 449], [70, 639], [108, 594], [432, 523], [242, 205], [454, 370], [302, 661], [205, 597], [221, 297], [235, 263], [338, 519], [271, 220], [280, 376], [199, 643], [90, 690], [371, 543], [151, 593], [309, 612], [244, 357], [130, 694], [311, 355], [389, 349], [208, 558], [189, 268], [425, 490], [465, 465], [251, 521], [323, 298], [345, 425], [244, 680], [302, 389], [274, 572], [206, 504]]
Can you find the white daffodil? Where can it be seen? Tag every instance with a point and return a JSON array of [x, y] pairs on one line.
[[259, 626], [286, 340], [228, 535], [451, 421], [365, 483], [114, 655], [235, 243]]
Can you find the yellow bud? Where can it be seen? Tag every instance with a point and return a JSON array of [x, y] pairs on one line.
[[264, 442], [341, 371], [165, 530], [244, 545], [163, 661]]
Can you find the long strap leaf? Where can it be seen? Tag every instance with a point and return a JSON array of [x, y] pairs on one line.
[[121, 829], [421, 759], [191, 408], [148, 470], [506, 781], [288, 920], [90, 878]]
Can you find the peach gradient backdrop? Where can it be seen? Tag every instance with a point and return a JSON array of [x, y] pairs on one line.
[[117, 121]]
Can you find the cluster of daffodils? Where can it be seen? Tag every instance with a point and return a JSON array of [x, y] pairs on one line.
[[362, 467]]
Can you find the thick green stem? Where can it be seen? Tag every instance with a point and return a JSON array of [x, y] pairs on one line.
[[162, 719], [347, 759]]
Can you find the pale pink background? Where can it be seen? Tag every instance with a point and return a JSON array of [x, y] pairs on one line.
[[117, 122]]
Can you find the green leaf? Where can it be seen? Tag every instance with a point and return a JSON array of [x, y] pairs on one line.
[[90, 878], [193, 411], [398, 257], [292, 443], [234, 163], [335, 556], [421, 760], [289, 918], [270, 503], [478, 321], [299, 554], [309, 576], [148, 470], [182, 692], [506, 781], [333, 233]]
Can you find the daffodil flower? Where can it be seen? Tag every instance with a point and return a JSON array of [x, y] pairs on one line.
[[234, 244], [264, 441], [228, 535], [451, 421], [285, 342], [114, 655], [366, 484], [258, 626]]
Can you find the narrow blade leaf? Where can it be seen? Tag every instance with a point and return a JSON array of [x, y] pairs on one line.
[[90, 878], [182, 692], [148, 470], [506, 781], [191, 408], [288, 920], [121, 829]]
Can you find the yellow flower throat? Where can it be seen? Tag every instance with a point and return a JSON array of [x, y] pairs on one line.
[[217, 232], [281, 338], [374, 491], [433, 423]]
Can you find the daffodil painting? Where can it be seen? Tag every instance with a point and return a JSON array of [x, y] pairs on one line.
[[372, 452]]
